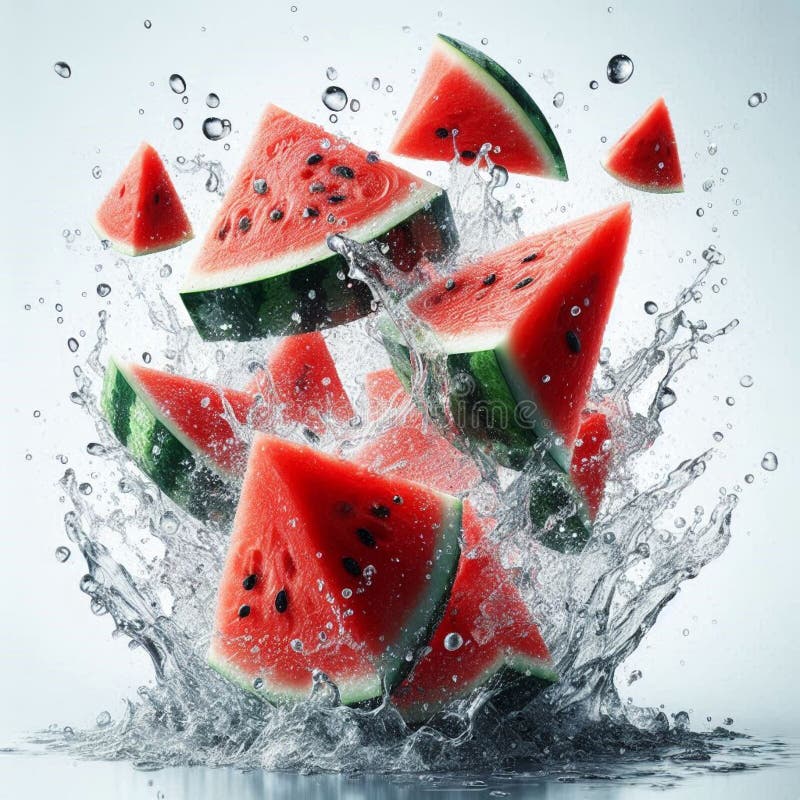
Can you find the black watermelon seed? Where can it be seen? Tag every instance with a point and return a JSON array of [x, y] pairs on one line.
[[260, 186], [397, 499], [373, 157], [250, 582], [223, 232], [316, 187], [365, 537], [523, 283], [245, 223], [489, 279], [442, 133], [450, 284], [310, 435], [244, 611], [379, 511], [468, 154], [313, 159], [351, 566], [341, 171], [336, 198], [573, 342], [310, 212], [531, 257], [281, 601], [275, 214]]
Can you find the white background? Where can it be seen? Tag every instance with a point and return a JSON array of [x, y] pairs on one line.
[[59, 663]]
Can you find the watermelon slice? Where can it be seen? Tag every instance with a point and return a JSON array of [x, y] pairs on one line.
[[301, 376], [591, 460], [330, 568], [142, 213], [487, 636], [265, 266], [464, 100], [412, 448], [178, 432], [646, 157]]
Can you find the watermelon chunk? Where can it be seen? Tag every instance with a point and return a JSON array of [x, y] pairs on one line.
[[487, 636], [465, 99], [332, 568], [177, 431], [646, 157], [301, 376], [265, 266], [412, 448], [142, 213], [591, 460]]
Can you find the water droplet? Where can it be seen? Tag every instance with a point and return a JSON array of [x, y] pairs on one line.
[[636, 675], [650, 307], [575, 311], [177, 123], [643, 549], [730, 401], [746, 381], [749, 478], [177, 83], [334, 98], [103, 719], [769, 462], [756, 99], [165, 271], [85, 488], [215, 128], [296, 645], [685, 631], [347, 593], [558, 99], [712, 149], [146, 357], [62, 69], [699, 212], [453, 641], [666, 398], [333, 118], [148, 24], [355, 105], [97, 172], [62, 554], [331, 74], [376, 84], [103, 289], [717, 436], [619, 69], [258, 683], [593, 84], [484, 40], [72, 344]]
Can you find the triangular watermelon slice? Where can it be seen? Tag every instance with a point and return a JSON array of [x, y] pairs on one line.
[[178, 432], [301, 376], [330, 568], [646, 157], [464, 100], [486, 637], [521, 330], [265, 266], [142, 213]]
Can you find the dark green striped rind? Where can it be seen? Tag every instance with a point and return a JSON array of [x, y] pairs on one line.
[[315, 296], [181, 475], [483, 406], [525, 102]]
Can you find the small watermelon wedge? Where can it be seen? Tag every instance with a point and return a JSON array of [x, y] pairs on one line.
[[178, 432], [487, 637], [464, 100], [412, 448], [143, 213], [591, 459], [265, 266], [301, 377], [330, 569], [646, 157]]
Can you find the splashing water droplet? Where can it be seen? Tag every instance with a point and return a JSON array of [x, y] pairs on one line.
[[746, 381], [619, 69], [146, 357], [177, 123], [62, 69], [636, 675], [212, 100], [484, 40], [666, 398], [72, 344], [355, 105], [593, 85], [177, 83], [717, 436], [62, 554], [331, 74], [165, 271], [103, 719], [699, 212], [749, 478], [650, 307], [215, 128], [712, 149], [148, 24], [769, 462], [453, 641], [103, 289], [296, 645], [376, 84], [334, 98], [756, 99], [97, 172], [558, 99]]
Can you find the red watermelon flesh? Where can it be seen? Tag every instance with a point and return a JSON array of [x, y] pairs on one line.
[[591, 460], [486, 626], [301, 376], [646, 157], [412, 448], [542, 305], [333, 568], [143, 212], [462, 90]]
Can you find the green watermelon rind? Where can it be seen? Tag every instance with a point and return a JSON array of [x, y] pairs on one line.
[[499, 82], [496, 385], [642, 187], [163, 452], [393, 667], [126, 249], [503, 675], [307, 293]]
